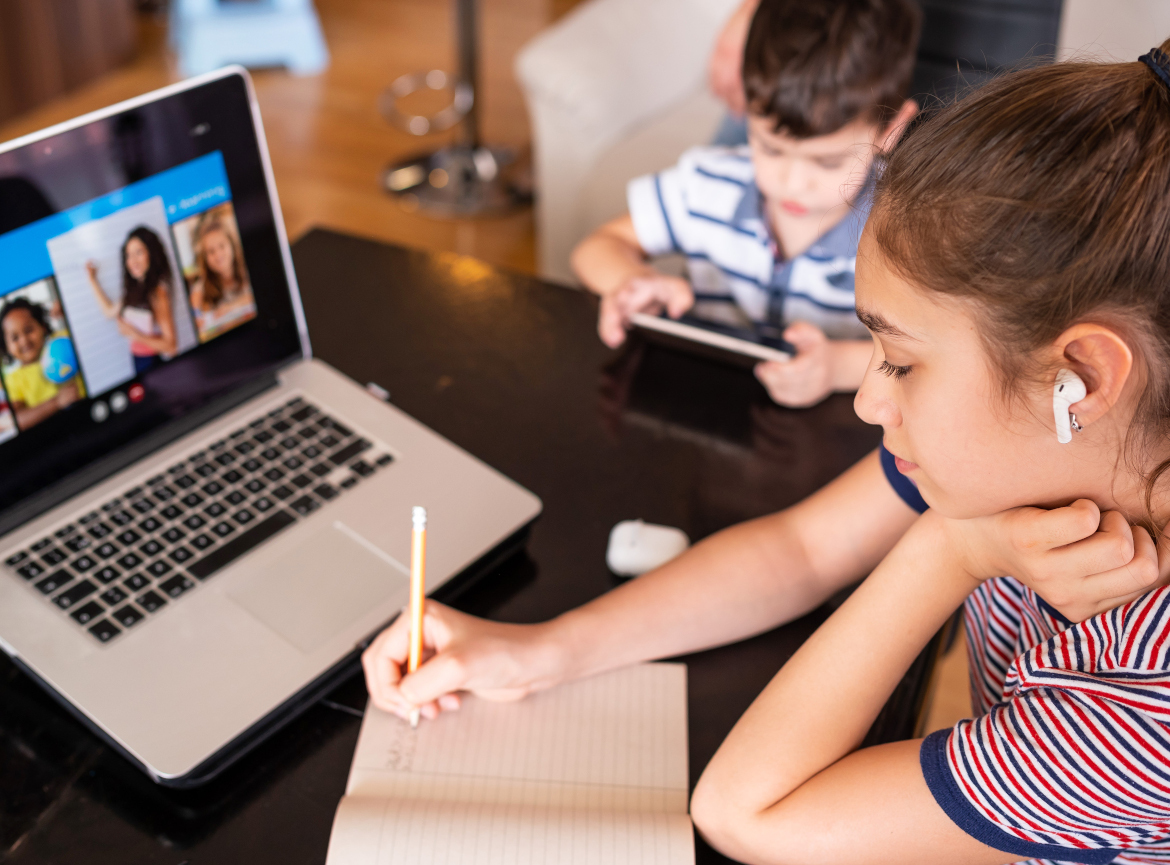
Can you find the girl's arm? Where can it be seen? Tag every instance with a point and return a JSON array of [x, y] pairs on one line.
[[788, 786], [109, 308]]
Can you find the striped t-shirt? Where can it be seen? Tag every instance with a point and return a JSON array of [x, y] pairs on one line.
[[708, 208], [1068, 759]]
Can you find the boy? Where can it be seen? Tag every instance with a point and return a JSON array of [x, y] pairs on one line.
[[770, 231]]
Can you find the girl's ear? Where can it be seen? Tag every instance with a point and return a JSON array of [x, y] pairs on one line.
[[1103, 360], [897, 126]]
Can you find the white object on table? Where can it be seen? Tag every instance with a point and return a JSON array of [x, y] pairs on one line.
[[636, 547]]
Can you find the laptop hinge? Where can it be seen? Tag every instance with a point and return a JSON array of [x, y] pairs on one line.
[[112, 463]]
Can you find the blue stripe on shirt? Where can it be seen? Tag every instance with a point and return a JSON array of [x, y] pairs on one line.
[[703, 171], [665, 215]]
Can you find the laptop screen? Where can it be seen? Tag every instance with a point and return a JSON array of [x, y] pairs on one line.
[[141, 277]]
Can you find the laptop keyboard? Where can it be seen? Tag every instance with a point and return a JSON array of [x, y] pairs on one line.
[[117, 566]]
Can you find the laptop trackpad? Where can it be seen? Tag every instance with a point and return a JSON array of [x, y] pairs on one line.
[[318, 588]]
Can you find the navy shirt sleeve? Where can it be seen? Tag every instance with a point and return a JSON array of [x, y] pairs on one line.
[[902, 485]]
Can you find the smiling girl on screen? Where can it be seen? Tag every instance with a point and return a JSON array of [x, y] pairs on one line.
[[33, 394], [221, 295], [1019, 233], [144, 314]]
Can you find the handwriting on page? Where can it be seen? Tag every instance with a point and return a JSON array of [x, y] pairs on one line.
[[401, 741]]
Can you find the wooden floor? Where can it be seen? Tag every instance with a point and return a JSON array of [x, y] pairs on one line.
[[329, 144], [328, 140]]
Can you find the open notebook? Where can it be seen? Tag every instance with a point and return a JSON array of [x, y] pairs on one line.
[[591, 772]]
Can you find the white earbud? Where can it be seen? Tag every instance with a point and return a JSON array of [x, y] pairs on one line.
[[1068, 390]]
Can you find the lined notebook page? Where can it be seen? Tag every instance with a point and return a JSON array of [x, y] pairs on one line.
[[618, 740], [590, 772]]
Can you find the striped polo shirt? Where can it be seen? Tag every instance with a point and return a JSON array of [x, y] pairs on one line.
[[708, 208], [1068, 759]]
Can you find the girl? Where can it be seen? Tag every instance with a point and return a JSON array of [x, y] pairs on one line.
[[32, 396], [143, 313], [221, 295], [1019, 233]]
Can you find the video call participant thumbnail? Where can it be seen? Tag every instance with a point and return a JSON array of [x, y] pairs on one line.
[[40, 365]]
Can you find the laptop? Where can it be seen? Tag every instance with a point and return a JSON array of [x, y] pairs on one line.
[[200, 523]]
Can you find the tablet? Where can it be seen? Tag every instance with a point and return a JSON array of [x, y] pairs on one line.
[[739, 346]]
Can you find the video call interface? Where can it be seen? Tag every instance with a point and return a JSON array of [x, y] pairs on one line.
[[94, 297]]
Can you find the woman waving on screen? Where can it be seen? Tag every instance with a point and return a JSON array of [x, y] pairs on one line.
[[143, 314]]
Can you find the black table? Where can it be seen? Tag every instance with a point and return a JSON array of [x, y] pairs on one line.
[[511, 369]]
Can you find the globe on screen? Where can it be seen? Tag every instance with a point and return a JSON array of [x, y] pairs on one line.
[[58, 360]]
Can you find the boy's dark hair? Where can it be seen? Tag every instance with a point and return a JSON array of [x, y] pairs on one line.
[[38, 313], [813, 66]]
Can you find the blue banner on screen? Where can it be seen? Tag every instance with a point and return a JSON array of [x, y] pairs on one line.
[[191, 188]]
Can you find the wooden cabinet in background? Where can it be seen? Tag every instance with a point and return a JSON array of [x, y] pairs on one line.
[[48, 47]]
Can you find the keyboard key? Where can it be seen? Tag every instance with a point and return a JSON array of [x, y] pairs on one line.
[[223, 529], [282, 492], [244, 517], [151, 548], [78, 543], [136, 582], [112, 504], [206, 470], [185, 482], [106, 550], [304, 506], [105, 630], [177, 467], [274, 474], [225, 459], [174, 535], [307, 411], [363, 468], [65, 531], [157, 479], [31, 571], [42, 544], [235, 497], [15, 559], [164, 494], [263, 504], [293, 463], [172, 512], [83, 615], [151, 602], [263, 436], [328, 442], [348, 452], [73, 594], [192, 500], [157, 569], [129, 537], [150, 525], [321, 469], [270, 454], [289, 443], [232, 477], [255, 485], [384, 460], [54, 556], [176, 585], [113, 595], [282, 426], [130, 561], [302, 481], [106, 575], [253, 465], [194, 522], [341, 429], [238, 433], [143, 505], [132, 492], [181, 554], [121, 518], [311, 452], [215, 509], [87, 519], [54, 581], [326, 491], [213, 488], [244, 448], [236, 547], [201, 542], [128, 617], [84, 563], [349, 482], [256, 423]]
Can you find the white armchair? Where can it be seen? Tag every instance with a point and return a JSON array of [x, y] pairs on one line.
[[615, 89]]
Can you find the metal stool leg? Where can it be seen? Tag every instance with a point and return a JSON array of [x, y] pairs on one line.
[[465, 178]]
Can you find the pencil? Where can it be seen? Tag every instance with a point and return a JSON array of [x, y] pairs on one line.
[[418, 592]]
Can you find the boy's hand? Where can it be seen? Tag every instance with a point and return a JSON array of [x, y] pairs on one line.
[[1079, 560], [651, 294], [492, 660], [806, 379], [68, 394]]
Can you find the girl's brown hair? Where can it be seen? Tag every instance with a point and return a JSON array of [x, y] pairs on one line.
[[213, 288], [1045, 197]]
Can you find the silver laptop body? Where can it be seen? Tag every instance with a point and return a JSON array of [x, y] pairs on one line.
[[181, 688]]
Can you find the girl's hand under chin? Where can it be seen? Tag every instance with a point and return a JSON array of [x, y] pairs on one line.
[[1081, 561]]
